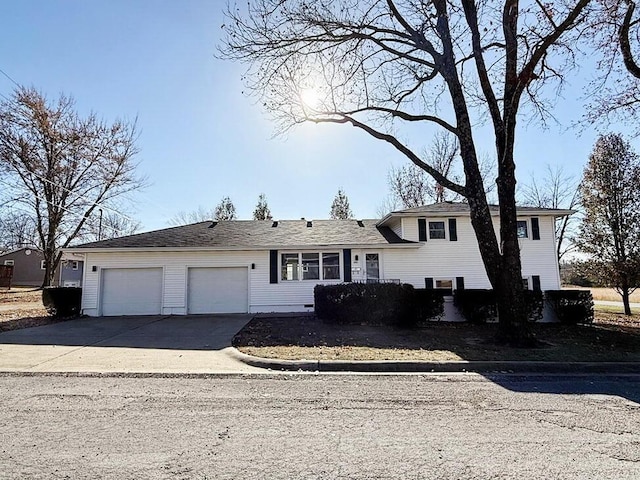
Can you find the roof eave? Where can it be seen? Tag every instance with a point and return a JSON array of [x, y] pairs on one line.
[[465, 213], [239, 248]]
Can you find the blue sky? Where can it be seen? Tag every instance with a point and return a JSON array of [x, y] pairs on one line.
[[201, 138]]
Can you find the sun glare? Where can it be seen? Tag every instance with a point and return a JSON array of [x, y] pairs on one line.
[[310, 98]]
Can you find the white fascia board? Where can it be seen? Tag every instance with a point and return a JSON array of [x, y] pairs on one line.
[[77, 250]]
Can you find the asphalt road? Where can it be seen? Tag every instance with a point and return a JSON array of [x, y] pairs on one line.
[[320, 426]]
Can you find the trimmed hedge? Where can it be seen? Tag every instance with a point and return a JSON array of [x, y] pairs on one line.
[[429, 303], [571, 306], [476, 305], [376, 304], [479, 305], [62, 301]]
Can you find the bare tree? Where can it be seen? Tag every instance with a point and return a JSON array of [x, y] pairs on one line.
[[201, 214], [615, 36], [340, 208], [262, 211], [380, 65], [225, 210], [389, 204], [610, 230], [109, 223], [17, 229], [411, 186], [560, 191], [62, 167]]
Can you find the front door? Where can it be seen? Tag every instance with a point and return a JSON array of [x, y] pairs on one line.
[[372, 265]]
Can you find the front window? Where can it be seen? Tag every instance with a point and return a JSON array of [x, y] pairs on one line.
[[74, 265], [525, 283], [42, 265], [331, 266], [448, 284], [436, 230], [9, 262], [310, 266], [522, 229], [289, 266]]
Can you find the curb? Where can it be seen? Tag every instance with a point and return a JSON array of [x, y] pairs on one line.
[[399, 366]]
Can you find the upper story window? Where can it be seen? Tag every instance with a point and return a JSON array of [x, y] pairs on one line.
[[310, 266], [523, 231], [436, 230], [9, 263], [42, 265]]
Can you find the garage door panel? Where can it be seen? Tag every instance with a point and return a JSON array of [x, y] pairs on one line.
[[131, 291], [217, 290]]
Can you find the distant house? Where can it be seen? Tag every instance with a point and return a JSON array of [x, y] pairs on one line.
[[273, 266], [28, 268]]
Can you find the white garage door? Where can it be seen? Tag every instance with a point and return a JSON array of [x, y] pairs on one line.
[[131, 291], [218, 290]]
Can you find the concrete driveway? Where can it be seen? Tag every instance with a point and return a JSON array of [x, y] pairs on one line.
[[183, 344]]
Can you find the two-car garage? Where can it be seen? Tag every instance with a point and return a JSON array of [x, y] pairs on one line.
[[139, 291]]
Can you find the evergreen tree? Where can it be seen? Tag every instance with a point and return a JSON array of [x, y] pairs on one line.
[[262, 211], [225, 210], [340, 208]]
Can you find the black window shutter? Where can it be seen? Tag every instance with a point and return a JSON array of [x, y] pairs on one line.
[[273, 266], [535, 228], [460, 283], [428, 283], [453, 230], [422, 230], [535, 279], [346, 256]]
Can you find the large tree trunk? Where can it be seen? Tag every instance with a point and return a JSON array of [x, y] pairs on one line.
[[625, 299], [513, 327]]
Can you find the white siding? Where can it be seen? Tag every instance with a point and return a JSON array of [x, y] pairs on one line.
[[538, 257], [440, 259], [395, 224], [263, 296], [410, 229], [444, 259]]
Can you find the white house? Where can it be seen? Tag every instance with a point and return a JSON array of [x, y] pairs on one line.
[[273, 266]]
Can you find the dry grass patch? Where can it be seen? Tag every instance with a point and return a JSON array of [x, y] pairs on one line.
[[20, 295], [22, 308], [606, 294], [611, 338]]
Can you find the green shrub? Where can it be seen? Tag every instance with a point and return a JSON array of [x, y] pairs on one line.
[[534, 304], [479, 305], [429, 303], [62, 301], [367, 303], [476, 305], [571, 306]]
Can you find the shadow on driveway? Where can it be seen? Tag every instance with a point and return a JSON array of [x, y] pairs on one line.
[[195, 332]]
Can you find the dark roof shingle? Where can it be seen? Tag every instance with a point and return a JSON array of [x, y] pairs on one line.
[[258, 234]]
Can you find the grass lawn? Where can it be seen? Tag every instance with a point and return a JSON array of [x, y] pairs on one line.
[[612, 337]]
